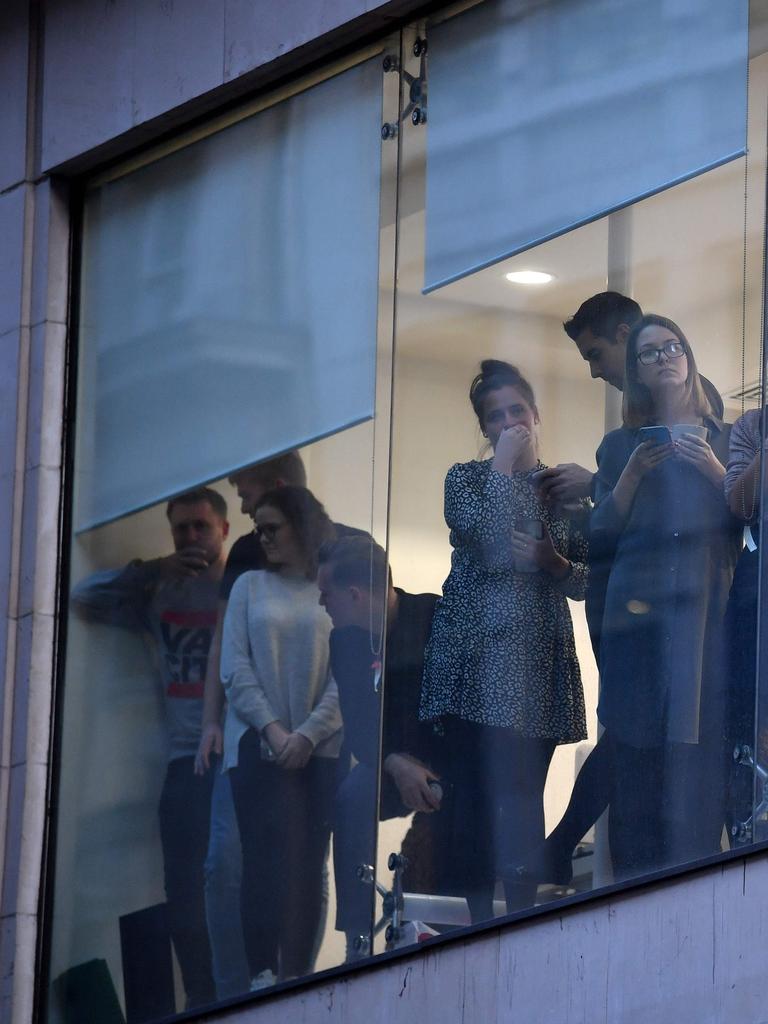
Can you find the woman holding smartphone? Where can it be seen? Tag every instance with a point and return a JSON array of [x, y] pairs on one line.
[[663, 522], [501, 673]]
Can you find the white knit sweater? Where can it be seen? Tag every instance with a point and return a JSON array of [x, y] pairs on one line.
[[274, 663]]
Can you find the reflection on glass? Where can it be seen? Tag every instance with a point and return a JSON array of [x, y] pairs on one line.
[[501, 671]]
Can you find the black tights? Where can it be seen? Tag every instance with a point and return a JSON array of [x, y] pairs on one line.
[[589, 798], [498, 777]]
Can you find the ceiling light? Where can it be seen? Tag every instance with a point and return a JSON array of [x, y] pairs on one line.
[[529, 277]]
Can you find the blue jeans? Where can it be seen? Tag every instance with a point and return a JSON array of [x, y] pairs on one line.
[[223, 875]]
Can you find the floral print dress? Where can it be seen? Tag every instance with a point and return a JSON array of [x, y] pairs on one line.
[[501, 651]]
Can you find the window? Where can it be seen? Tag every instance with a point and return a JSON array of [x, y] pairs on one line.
[[280, 320]]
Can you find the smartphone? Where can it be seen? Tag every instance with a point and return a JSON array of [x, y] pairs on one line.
[[533, 528], [658, 435]]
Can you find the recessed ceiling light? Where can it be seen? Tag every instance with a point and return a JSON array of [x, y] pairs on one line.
[[529, 277]]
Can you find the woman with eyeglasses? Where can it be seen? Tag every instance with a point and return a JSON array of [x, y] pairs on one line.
[[282, 735], [663, 521]]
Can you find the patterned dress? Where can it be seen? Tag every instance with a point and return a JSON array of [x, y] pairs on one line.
[[502, 651]]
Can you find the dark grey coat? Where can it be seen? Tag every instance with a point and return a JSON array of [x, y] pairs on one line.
[[662, 648]]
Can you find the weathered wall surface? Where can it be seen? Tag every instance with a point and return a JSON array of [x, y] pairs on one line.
[[683, 951], [34, 253], [143, 66]]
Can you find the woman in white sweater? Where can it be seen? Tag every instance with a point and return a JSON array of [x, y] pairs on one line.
[[282, 735]]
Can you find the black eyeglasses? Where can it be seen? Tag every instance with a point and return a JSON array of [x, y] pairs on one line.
[[672, 350], [268, 530]]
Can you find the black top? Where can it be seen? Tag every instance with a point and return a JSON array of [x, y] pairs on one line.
[[356, 667], [246, 555]]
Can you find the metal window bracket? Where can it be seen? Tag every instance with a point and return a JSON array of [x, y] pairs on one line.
[[742, 832], [392, 901], [416, 108]]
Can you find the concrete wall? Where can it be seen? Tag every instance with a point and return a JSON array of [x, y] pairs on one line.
[[677, 953], [86, 80]]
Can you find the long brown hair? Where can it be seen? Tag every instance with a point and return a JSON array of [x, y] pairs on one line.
[[638, 407], [307, 518]]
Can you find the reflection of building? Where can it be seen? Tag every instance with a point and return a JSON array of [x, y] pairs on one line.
[[88, 83]]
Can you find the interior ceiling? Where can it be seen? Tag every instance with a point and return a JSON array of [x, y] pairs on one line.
[[686, 258]]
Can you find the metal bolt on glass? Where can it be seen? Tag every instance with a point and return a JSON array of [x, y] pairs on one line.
[[388, 131], [390, 63], [365, 872]]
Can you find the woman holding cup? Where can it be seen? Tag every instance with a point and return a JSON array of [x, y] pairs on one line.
[[501, 673]]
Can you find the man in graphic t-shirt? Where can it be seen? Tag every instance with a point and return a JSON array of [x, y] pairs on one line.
[[174, 599]]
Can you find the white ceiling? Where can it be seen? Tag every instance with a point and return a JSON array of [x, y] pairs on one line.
[[687, 251]]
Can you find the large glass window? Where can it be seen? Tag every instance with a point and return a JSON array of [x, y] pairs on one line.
[[562, 427], [415, 560], [232, 420]]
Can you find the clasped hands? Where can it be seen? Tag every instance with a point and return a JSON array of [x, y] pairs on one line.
[[292, 750]]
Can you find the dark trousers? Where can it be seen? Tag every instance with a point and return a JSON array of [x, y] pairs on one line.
[[185, 814], [498, 820], [667, 804], [284, 819]]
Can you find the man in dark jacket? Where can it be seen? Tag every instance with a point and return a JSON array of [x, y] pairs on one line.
[[357, 592]]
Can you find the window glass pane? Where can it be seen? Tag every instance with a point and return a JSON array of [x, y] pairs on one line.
[[208, 290], [579, 673], [202, 727], [538, 112]]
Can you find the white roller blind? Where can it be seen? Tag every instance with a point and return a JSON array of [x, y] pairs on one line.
[[546, 115], [229, 299]]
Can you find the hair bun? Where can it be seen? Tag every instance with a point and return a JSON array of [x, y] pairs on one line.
[[491, 367], [496, 373]]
